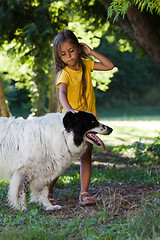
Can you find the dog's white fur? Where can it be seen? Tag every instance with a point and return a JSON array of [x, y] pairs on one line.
[[33, 153]]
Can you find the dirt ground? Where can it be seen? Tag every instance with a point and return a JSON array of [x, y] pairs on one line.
[[118, 201]]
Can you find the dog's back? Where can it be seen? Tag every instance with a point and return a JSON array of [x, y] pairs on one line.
[[21, 140]]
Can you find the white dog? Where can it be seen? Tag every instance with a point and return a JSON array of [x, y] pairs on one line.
[[34, 152]]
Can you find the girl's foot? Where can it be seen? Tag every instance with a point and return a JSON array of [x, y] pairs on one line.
[[86, 199]]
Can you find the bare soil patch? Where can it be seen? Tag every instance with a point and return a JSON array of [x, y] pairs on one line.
[[118, 201]]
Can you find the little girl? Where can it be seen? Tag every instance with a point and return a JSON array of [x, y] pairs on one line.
[[73, 73]]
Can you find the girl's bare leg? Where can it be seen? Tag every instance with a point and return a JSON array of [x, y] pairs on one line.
[[85, 172], [50, 195], [85, 168]]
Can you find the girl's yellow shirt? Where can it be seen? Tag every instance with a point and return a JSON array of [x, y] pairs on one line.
[[74, 81]]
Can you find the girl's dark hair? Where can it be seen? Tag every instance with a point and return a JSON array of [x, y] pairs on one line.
[[60, 65]]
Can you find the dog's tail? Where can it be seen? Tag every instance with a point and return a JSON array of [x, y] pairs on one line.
[[18, 189]]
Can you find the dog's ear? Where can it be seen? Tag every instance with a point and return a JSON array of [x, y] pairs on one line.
[[70, 119]]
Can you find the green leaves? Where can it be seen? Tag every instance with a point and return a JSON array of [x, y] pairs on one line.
[[31, 25], [147, 154], [120, 7]]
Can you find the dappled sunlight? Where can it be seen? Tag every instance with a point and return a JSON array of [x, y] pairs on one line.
[[66, 179], [101, 163], [108, 164], [4, 181]]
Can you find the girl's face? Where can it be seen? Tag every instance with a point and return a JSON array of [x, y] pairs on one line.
[[69, 53]]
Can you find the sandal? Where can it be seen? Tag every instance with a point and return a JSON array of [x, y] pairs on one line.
[[86, 199], [52, 201]]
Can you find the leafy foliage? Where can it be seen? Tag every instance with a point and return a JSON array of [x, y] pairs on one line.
[[121, 7], [147, 154], [142, 154], [32, 25], [103, 10], [31, 21], [135, 82]]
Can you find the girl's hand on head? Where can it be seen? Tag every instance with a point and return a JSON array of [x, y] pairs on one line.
[[86, 49]]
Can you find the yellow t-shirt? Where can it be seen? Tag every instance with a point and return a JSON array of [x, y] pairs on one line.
[[74, 81]]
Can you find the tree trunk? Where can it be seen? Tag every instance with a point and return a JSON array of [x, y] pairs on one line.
[[145, 33], [138, 26], [40, 100], [3, 105], [53, 99]]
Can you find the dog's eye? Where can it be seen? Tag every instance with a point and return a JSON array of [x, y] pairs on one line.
[[93, 121]]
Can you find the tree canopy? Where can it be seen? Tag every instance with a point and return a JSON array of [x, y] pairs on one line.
[[138, 19], [120, 7], [31, 25], [27, 27]]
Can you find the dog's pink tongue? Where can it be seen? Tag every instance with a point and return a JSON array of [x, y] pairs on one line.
[[99, 141]]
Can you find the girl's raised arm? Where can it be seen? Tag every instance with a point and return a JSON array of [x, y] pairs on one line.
[[104, 63]]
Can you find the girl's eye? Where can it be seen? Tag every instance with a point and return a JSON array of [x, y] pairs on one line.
[[72, 50], [63, 54]]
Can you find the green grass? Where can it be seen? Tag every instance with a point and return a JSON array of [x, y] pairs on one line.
[[131, 124], [127, 132], [35, 223], [145, 223]]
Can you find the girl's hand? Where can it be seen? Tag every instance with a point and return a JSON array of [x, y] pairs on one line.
[[71, 110], [87, 50]]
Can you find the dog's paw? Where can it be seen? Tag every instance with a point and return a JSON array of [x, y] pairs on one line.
[[53, 207]]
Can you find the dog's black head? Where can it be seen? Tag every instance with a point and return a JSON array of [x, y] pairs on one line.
[[84, 125]]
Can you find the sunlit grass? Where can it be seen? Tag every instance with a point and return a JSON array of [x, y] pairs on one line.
[[130, 124], [127, 132]]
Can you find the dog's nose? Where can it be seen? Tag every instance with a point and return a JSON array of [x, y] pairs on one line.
[[109, 130]]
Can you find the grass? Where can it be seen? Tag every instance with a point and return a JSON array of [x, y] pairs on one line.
[[99, 223], [35, 223], [129, 186], [131, 124]]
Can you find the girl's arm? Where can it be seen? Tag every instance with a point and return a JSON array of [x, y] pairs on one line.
[[63, 98], [104, 63]]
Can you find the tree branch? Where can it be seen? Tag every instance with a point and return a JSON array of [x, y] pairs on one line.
[[123, 23], [138, 26], [145, 33]]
